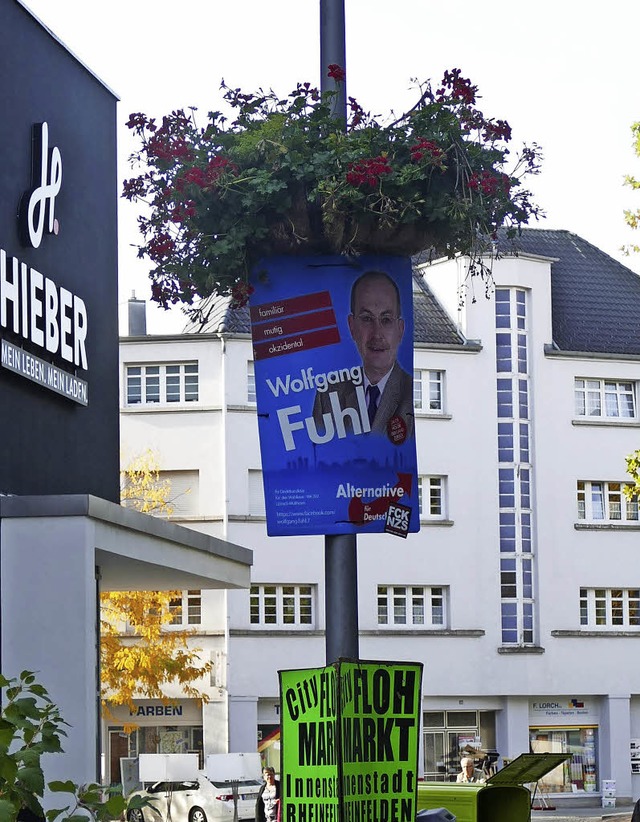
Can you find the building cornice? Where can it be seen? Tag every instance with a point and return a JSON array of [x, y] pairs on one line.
[[551, 351]]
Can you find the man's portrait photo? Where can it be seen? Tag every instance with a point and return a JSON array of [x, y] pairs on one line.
[[377, 327]]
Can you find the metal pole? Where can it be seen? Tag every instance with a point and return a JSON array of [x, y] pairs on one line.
[[341, 597], [333, 51], [340, 556]]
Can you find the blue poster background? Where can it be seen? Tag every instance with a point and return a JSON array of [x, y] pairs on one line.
[[350, 476]]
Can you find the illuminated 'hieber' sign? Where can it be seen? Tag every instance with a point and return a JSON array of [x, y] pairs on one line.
[[33, 306]]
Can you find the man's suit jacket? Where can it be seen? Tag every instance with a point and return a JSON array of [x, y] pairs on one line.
[[396, 401]]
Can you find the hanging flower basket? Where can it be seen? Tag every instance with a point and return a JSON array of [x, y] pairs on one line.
[[284, 176]]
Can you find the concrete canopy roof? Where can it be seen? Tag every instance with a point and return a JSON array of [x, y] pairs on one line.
[[136, 551]]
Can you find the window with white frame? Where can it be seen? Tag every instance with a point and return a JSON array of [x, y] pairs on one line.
[[186, 609], [282, 606], [412, 606], [251, 383], [431, 497], [428, 391], [610, 607], [162, 383], [605, 502], [611, 399]]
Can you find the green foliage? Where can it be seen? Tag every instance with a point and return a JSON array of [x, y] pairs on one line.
[[30, 726], [287, 176]]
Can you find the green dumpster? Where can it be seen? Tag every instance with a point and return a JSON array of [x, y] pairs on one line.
[[502, 798]]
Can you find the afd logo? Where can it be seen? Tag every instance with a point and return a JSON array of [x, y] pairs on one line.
[[36, 214]]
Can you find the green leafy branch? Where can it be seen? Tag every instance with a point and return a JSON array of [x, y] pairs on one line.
[[30, 726]]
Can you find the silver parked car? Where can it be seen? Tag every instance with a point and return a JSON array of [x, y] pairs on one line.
[[200, 800]]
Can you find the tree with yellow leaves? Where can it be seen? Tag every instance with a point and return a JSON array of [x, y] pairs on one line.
[[142, 488], [632, 489], [139, 653], [632, 218]]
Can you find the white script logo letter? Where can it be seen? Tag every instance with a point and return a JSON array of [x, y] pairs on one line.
[[38, 204]]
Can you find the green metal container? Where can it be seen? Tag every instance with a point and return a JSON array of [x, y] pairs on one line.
[[502, 798]]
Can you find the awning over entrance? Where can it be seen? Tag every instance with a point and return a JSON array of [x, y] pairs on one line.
[[56, 554], [136, 551]]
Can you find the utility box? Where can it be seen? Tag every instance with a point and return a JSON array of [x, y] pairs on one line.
[[502, 798], [435, 815]]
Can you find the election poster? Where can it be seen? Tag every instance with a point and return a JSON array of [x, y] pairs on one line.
[[349, 736], [333, 360]]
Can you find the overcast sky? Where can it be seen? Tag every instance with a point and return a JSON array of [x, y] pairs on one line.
[[563, 74]]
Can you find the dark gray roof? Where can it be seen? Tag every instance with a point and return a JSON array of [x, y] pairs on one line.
[[595, 299], [432, 324], [216, 316]]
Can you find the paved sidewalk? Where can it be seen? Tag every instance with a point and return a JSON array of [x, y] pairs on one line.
[[581, 814]]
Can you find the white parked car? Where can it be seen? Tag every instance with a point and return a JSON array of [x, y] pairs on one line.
[[201, 800]]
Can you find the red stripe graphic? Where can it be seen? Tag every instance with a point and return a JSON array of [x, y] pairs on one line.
[[280, 309], [301, 342], [293, 325]]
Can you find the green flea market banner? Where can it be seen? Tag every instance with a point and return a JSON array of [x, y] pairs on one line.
[[349, 736]]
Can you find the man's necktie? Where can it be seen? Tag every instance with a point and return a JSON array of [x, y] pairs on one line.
[[372, 406]]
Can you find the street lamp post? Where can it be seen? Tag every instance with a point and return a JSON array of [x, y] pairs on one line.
[[341, 562]]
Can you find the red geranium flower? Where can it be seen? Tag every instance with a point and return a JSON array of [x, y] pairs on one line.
[[240, 294], [134, 188], [367, 173], [336, 72], [160, 246], [428, 149]]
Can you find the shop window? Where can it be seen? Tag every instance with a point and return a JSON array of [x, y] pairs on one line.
[[282, 606], [411, 606], [162, 383], [269, 746], [428, 391], [605, 502], [450, 735], [609, 399], [580, 773], [168, 739]]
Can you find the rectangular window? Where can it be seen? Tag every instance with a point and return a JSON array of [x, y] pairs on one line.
[[431, 501], [515, 475], [186, 609], [411, 606], [170, 494], [610, 399], [282, 606], [162, 384], [256, 494], [605, 502], [428, 391], [251, 383], [616, 608]]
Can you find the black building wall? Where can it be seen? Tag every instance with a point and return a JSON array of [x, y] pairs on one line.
[[50, 444]]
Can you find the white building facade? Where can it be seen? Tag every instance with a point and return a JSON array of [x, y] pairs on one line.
[[521, 592]]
